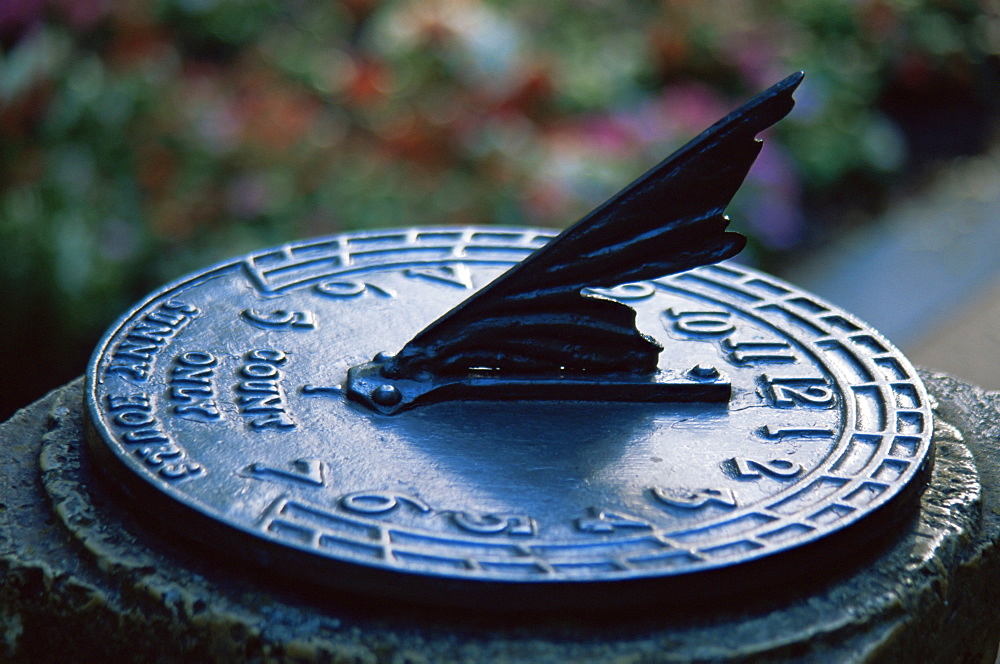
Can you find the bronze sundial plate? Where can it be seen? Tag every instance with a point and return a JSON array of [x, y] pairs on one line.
[[218, 405]]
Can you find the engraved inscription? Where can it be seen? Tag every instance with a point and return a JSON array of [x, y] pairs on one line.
[[602, 522], [454, 275], [495, 524], [260, 395], [639, 290], [380, 503], [790, 392], [778, 432], [301, 471], [192, 387], [134, 354], [693, 500], [757, 352], [338, 289], [138, 429], [719, 325], [700, 324], [752, 469], [280, 319]]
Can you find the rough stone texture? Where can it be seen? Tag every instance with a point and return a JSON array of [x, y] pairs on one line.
[[81, 580]]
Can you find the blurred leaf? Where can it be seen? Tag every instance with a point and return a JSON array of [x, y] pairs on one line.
[[139, 141]]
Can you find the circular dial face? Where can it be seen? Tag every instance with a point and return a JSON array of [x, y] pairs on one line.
[[218, 403]]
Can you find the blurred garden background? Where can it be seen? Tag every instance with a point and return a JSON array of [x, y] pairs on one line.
[[143, 139]]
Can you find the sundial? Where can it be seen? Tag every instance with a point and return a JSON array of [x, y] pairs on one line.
[[501, 417]]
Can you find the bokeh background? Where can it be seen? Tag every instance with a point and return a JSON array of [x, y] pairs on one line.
[[142, 139]]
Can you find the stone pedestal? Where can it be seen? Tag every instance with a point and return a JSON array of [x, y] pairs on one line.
[[81, 579]]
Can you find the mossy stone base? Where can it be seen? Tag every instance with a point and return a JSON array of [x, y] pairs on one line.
[[82, 580]]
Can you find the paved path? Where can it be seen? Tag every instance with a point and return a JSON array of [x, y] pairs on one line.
[[928, 275]]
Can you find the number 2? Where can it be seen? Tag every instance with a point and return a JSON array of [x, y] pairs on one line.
[[752, 469], [604, 521], [790, 392]]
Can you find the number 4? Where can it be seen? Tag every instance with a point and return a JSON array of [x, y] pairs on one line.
[[604, 521]]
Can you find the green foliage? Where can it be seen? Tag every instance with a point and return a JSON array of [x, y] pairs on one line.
[[141, 140]]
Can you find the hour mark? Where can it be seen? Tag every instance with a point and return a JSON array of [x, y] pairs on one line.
[[792, 391], [753, 352], [692, 500], [348, 289], [454, 275], [700, 324], [303, 471], [380, 503], [639, 290], [601, 522], [778, 432], [494, 524], [322, 390], [752, 469]]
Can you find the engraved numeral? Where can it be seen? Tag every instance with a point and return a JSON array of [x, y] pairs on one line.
[[493, 524], [380, 503], [603, 521], [723, 497], [280, 319], [157, 455], [789, 392], [180, 471], [750, 469], [754, 352], [347, 289], [454, 275], [639, 290], [303, 471], [778, 432], [700, 324]]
